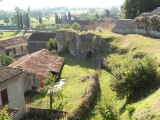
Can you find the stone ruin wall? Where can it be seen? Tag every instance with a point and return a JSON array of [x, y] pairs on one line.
[[127, 26], [80, 45]]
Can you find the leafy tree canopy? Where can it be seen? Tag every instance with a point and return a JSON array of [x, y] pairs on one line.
[[76, 26], [134, 77], [133, 8], [52, 44], [6, 60]]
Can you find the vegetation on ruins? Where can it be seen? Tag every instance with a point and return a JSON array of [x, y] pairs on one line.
[[75, 26], [51, 44]]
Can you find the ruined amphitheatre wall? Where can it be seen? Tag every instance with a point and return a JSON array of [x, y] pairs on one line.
[[80, 45], [127, 26]]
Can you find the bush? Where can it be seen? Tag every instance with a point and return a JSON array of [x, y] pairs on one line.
[[76, 26], [52, 44], [132, 78], [6, 60]]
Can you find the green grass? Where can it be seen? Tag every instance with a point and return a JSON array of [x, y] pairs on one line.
[[9, 34], [74, 90]]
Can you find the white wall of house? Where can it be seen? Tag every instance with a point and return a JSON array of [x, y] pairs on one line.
[[31, 83], [18, 49], [15, 92]]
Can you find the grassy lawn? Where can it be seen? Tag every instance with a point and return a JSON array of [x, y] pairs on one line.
[[72, 91], [6, 35]]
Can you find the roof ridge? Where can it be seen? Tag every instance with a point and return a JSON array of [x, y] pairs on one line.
[[30, 55]]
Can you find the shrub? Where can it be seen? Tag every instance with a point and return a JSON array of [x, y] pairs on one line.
[[130, 79], [52, 44], [76, 26], [6, 60]]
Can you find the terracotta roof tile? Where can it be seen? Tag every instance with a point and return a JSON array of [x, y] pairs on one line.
[[8, 72], [14, 40], [81, 22], [40, 63], [91, 27]]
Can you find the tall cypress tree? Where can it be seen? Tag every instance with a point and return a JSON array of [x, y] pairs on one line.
[[56, 19], [40, 20], [21, 21], [18, 21], [27, 21], [69, 16]]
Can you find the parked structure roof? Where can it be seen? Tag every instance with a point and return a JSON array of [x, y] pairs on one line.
[[40, 63], [8, 72]]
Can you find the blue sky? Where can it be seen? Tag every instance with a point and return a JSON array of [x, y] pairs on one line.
[[10, 4]]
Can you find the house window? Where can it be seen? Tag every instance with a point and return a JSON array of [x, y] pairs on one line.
[[14, 50], [4, 97], [21, 48]]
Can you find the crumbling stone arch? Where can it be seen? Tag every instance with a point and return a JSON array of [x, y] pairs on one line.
[[89, 55]]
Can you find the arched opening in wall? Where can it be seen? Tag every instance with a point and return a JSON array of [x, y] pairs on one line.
[[89, 55]]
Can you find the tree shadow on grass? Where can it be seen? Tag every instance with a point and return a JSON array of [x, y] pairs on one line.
[[72, 61]]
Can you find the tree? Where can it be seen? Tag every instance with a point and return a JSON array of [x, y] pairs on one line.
[[76, 26], [6, 60], [40, 20], [69, 16], [114, 11], [6, 20], [28, 10], [51, 90], [18, 23], [21, 21], [107, 13], [132, 8], [52, 44], [27, 21], [56, 19], [97, 16], [4, 114], [66, 26], [134, 77], [17, 9]]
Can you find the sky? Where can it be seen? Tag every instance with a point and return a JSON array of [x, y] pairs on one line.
[[23, 4]]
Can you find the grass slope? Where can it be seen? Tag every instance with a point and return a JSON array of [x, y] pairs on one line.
[[72, 91]]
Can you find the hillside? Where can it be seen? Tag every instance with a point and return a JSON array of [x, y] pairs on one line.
[[123, 47]]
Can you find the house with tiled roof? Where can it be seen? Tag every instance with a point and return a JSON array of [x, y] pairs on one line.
[[37, 67], [14, 47], [37, 41], [12, 91]]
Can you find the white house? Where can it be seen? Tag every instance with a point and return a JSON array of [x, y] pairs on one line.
[[11, 91], [15, 46]]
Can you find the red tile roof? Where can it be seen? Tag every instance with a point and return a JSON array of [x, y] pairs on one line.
[[10, 110], [40, 63], [14, 40], [91, 27], [81, 22], [8, 72]]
